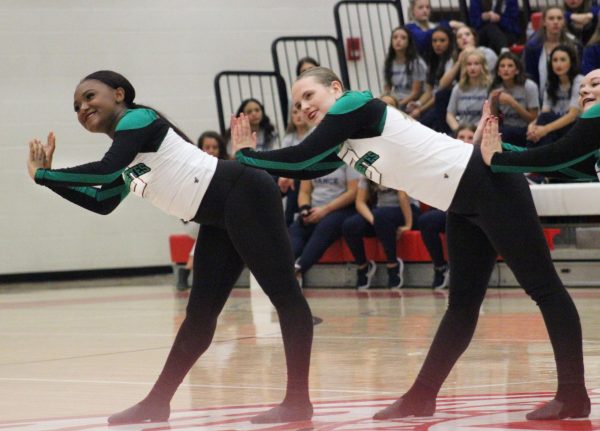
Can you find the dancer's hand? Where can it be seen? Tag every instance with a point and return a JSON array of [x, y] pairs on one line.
[[285, 184], [37, 157], [491, 142], [241, 133], [485, 115], [49, 149]]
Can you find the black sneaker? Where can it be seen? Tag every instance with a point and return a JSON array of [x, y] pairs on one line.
[[395, 275], [182, 278], [365, 275], [441, 277]]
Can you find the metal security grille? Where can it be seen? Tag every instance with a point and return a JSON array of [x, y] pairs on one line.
[[233, 87], [371, 23], [287, 51]]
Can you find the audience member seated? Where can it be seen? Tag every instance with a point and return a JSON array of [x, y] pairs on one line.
[[324, 204], [497, 22], [552, 32], [432, 223], [404, 70], [430, 109], [591, 53], [466, 37], [266, 136], [515, 97], [467, 98], [419, 26], [581, 17], [296, 131], [305, 63], [212, 143], [384, 213], [560, 108]]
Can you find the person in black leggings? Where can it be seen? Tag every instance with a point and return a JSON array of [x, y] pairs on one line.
[[395, 151], [242, 221]]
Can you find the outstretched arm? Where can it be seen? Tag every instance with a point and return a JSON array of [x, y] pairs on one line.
[[577, 148], [316, 155]]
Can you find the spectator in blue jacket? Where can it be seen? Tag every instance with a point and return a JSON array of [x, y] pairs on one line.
[[581, 17], [590, 59], [553, 32], [496, 21], [420, 28]]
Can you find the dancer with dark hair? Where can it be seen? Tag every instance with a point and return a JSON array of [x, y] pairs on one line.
[[391, 149], [241, 219]]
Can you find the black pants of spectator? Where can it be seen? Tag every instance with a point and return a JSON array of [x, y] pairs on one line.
[[481, 223], [514, 135], [386, 222], [241, 221], [491, 35], [432, 223], [310, 241], [435, 117], [543, 119], [291, 203]]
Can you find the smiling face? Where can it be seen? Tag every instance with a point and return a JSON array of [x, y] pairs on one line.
[[589, 93], [561, 63], [98, 106], [314, 99], [439, 42], [464, 38]]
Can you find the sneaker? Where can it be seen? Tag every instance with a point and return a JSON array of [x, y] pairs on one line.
[[365, 275], [395, 275], [299, 278], [441, 277], [182, 279]]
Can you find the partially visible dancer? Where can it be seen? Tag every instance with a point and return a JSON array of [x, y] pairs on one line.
[[395, 151], [211, 143], [296, 131], [432, 223], [467, 98], [515, 96], [497, 22], [552, 32], [324, 204], [404, 70], [560, 108], [419, 26], [266, 136], [383, 213], [241, 218], [304, 64], [590, 59], [581, 17]]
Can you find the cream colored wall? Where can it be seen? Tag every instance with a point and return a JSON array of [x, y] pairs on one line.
[[171, 51]]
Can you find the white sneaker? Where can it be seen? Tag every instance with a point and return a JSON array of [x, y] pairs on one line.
[[365, 275], [396, 275]]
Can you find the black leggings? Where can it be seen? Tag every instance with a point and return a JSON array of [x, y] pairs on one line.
[[491, 214], [242, 221]]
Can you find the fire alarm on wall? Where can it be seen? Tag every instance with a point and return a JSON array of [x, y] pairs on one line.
[[352, 48]]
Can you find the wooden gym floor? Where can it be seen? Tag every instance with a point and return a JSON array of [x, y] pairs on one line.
[[70, 357]]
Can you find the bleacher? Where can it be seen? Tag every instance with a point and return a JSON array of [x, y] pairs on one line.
[[356, 53]]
